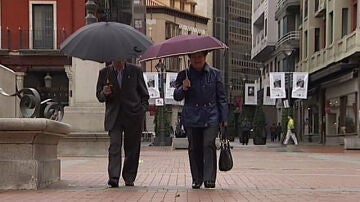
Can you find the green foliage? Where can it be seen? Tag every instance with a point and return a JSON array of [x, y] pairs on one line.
[[163, 116], [259, 122]]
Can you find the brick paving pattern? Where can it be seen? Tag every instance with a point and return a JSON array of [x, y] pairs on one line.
[[261, 173]]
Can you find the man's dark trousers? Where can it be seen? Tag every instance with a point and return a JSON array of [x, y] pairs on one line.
[[132, 142]]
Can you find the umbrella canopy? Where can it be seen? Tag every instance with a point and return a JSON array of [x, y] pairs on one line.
[[182, 45], [105, 42]]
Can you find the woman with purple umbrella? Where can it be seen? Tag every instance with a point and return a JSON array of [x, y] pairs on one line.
[[205, 109]]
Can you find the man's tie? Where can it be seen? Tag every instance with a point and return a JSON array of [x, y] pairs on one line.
[[119, 76]]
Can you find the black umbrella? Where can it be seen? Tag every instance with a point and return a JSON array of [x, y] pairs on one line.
[[105, 42]]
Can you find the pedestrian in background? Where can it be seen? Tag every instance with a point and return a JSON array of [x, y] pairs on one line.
[[122, 87], [290, 131], [278, 131], [205, 109], [273, 132], [246, 126]]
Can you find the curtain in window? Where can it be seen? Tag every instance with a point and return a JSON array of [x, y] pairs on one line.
[[43, 26]]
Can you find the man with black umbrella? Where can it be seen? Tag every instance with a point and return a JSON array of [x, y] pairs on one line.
[[122, 87]]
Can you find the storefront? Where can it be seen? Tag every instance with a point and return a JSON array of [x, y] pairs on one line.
[[341, 103]]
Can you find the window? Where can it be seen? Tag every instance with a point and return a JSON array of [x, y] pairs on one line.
[[182, 5], [285, 26], [265, 27], [331, 28], [172, 3], [305, 43], [43, 26], [341, 113], [316, 5], [192, 9], [306, 9], [354, 16], [171, 30], [317, 39], [344, 26], [279, 30]]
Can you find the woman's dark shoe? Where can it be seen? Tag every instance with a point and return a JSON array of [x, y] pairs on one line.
[[209, 184], [129, 184], [196, 185]]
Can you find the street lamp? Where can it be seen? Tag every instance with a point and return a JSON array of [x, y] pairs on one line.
[[288, 76], [160, 139], [90, 12]]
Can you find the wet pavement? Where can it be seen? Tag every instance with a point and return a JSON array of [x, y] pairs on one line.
[[271, 172]]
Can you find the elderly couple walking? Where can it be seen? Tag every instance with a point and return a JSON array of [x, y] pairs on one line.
[[122, 87]]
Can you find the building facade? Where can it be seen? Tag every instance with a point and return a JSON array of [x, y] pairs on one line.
[[30, 40], [329, 52], [265, 35]]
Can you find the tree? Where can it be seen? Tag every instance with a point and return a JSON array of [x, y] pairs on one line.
[[259, 126], [163, 127]]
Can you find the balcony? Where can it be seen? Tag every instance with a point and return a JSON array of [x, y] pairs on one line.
[[261, 46], [31, 41], [289, 40], [338, 51], [293, 6]]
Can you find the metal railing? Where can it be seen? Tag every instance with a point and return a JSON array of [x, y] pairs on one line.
[[290, 36], [32, 39], [282, 3]]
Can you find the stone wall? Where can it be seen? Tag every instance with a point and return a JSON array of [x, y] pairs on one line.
[[28, 152]]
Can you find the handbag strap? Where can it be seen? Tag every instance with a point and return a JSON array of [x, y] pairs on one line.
[[223, 133]]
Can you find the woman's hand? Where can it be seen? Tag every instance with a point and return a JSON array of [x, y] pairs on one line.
[[186, 84]]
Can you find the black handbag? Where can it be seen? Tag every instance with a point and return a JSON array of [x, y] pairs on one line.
[[225, 158]]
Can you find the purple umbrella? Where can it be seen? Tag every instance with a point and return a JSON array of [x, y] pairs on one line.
[[182, 45]]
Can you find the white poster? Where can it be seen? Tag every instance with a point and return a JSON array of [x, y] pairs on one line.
[[170, 85], [152, 83], [169, 88], [250, 94], [300, 85], [159, 102], [266, 98], [277, 85]]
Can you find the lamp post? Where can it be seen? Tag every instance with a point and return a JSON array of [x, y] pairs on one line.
[[288, 75], [160, 139], [90, 12]]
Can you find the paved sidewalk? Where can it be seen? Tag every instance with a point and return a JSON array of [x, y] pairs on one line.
[[261, 173]]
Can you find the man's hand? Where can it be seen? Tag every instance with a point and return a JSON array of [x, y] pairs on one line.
[[107, 89], [186, 84]]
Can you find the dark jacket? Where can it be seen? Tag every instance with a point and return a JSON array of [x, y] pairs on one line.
[[205, 101], [130, 102], [246, 125]]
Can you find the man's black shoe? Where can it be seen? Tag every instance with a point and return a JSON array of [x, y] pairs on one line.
[[209, 184], [129, 184], [196, 185], [113, 183]]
